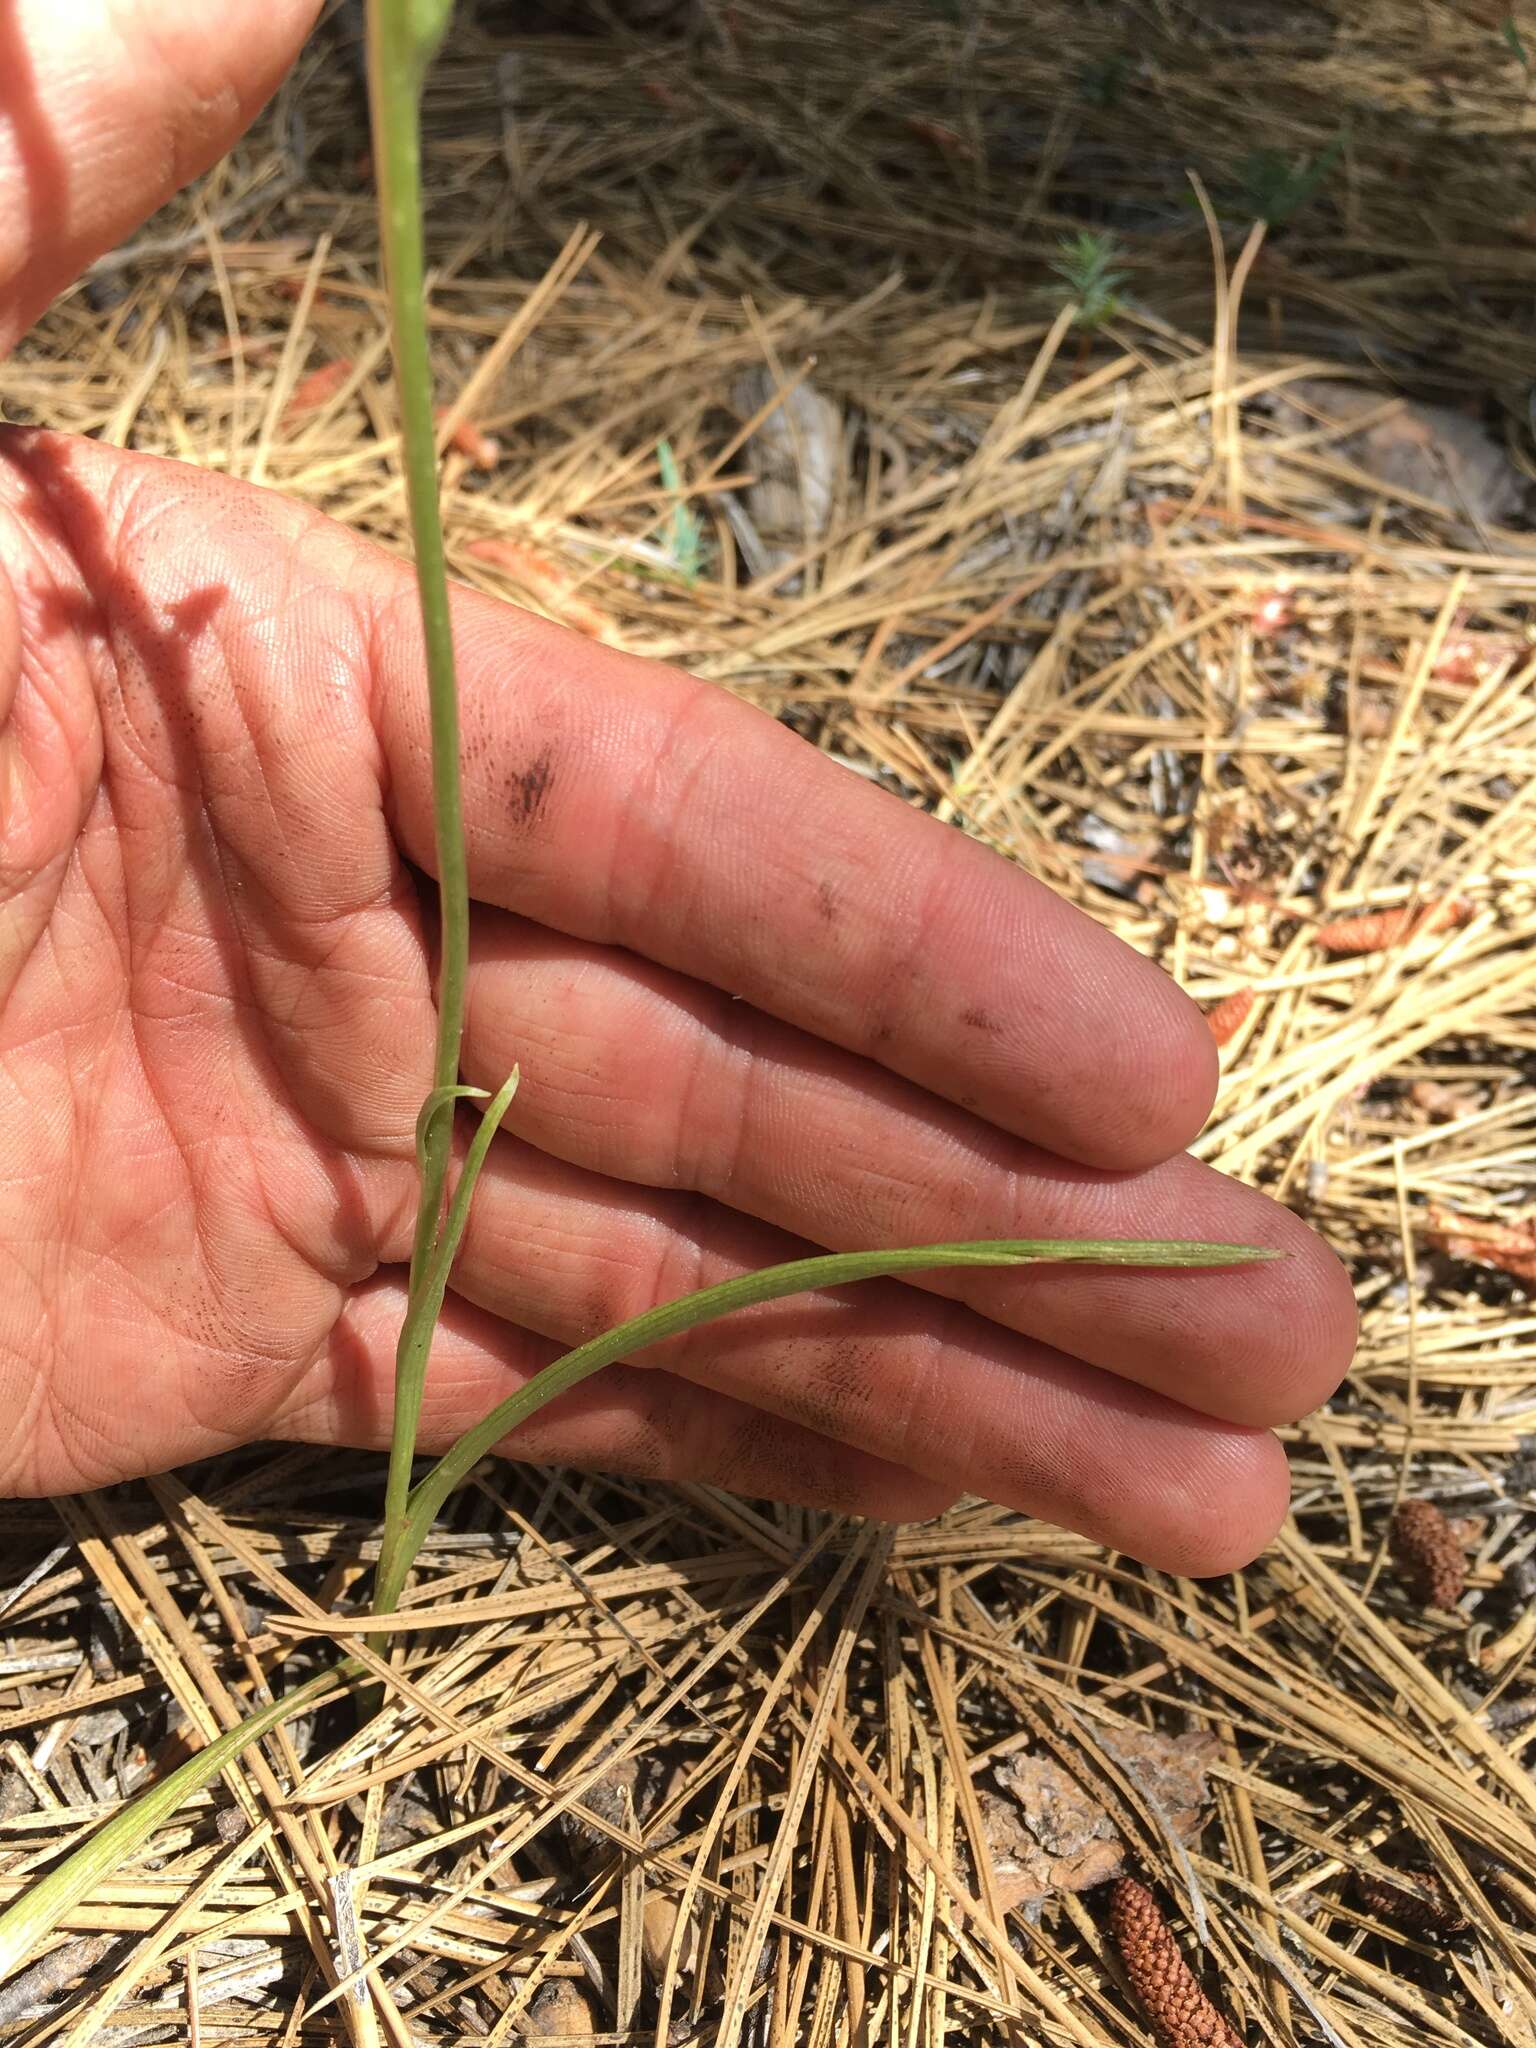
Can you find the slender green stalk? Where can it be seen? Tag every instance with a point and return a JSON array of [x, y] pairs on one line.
[[403, 36], [43, 1905], [769, 1283]]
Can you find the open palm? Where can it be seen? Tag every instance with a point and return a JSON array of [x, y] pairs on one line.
[[757, 1006]]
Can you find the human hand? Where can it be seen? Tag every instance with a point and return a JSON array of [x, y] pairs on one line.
[[758, 1006]]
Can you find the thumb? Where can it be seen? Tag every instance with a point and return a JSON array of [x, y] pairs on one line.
[[106, 108]]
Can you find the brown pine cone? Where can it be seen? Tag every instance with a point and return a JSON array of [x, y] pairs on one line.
[[1421, 1903], [1428, 1553], [1179, 2011]]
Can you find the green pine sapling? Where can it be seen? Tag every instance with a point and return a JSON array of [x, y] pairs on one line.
[[1090, 281]]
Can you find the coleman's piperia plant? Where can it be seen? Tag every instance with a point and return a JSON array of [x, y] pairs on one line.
[[403, 36]]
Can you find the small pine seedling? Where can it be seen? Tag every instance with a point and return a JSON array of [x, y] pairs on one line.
[[1086, 266], [685, 543], [1275, 188]]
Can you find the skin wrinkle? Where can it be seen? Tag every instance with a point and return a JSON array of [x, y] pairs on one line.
[[30, 700], [336, 1264], [116, 932], [168, 1125], [55, 1280], [83, 1431], [848, 1392], [897, 992], [659, 863], [921, 1411], [887, 1191], [41, 1432], [274, 819], [370, 624], [25, 1391], [742, 1070], [613, 1290], [683, 1254], [275, 1212], [387, 887]]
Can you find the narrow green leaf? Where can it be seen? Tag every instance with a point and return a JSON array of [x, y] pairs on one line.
[[834, 1269], [434, 1123], [422, 1311], [437, 1105], [32, 1917], [452, 1236], [684, 543]]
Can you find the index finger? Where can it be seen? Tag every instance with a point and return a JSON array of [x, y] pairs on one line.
[[627, 803]]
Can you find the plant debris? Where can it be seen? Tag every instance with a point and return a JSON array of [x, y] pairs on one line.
[[1228, 1017], [1419, 1903], [1428, 1552], [1048, 1833], [1379, 929], [1180, 2013]]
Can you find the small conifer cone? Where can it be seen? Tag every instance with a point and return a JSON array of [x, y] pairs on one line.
[[1180, 2013], [1375, 930], [1428, 1553], [1229, 1016], [1419, 1904]]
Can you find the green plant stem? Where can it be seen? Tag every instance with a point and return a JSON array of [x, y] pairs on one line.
[[770, 1283], [43, 1905], [403, 36]]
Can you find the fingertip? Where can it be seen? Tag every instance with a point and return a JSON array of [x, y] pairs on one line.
[[1126, 1065], [1325, 1326], [1295, 1342], [1255, 1343], [1190, 1071], [1157, 1079], [1220, 1511]]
